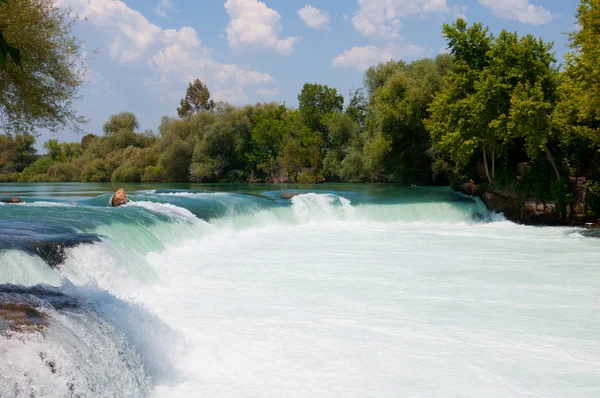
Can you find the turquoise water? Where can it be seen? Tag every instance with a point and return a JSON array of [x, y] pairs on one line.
[[342, 290]]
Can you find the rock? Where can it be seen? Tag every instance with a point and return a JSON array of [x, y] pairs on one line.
[[11, 200], [55, 252], [468, 188], [21, 318], [119, 198], [289, 195]]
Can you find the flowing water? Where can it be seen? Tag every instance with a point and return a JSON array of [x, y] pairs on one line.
[[341, 291]]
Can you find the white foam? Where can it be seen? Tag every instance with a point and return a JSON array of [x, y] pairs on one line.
[[176, 213]]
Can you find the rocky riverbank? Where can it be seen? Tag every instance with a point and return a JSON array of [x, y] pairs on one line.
[[531, 210]]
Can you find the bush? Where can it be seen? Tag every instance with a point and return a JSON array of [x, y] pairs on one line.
[[175, 161], [126, 174], [306, 176], [95, 171], [63, 172], [153, 174], [352, 168], [40, 166]]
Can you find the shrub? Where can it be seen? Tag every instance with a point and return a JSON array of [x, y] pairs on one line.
[[153, 174], [126, 174]]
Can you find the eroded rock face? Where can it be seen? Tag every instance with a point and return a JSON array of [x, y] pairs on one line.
[[119, 198], [12, 200]]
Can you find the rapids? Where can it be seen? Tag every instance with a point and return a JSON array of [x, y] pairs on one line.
[[342, 290]]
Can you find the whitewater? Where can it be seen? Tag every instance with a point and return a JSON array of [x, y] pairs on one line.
[[340, 291]]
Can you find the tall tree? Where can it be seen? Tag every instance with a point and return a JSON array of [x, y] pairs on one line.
[[500, 89], [197, 98], [315, 102], [579, 107], [121, 121], [40, 92], [398, 108], [7, 50]]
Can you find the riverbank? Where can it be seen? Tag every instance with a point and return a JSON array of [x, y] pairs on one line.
[[529, 210]]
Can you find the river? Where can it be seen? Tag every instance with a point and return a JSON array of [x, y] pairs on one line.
[[341, 291]]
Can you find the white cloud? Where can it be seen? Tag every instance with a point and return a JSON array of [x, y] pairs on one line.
[[363, 57], [234, 95], [162, 7], [519, 10], [175, 57], [269, 93], [383, 18], [253, 24], [242, 77], [314, 18], [132, 32]]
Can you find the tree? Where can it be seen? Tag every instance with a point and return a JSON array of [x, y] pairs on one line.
[[376, 76], [54, 150], [197, 98], [40, 92], [315, 102], [16, 152], [398, 108], [266, 143], [358, 106], [497, 92], [6, 49], [579, 107], [121, 121]]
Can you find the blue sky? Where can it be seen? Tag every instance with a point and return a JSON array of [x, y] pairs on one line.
[[250, 51]]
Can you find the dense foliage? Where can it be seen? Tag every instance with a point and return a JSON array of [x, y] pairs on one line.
[[497, 110], [319, 141], [37, 91]]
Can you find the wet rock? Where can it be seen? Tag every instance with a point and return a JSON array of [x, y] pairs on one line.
[[119, 198], [19, 317], [289, 195], [11, 200], [54, 253]]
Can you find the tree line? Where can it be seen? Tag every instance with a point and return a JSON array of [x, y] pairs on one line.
[[498, 110]]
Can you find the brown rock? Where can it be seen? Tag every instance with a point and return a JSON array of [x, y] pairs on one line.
[[11, 200], [21, 318], [119, 198], [289, 195]]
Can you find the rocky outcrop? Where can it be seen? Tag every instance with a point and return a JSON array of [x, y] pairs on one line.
[[289, 195], [55, 252], [527, 210], [11, 200], [119, 198]]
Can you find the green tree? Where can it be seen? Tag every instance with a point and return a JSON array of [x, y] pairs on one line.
[[6, 49], [497, 92], [266, 144], [357, 107], [197, 98], [315, 102], [39, 93], [16, 152], [579, 107], [54, 150], [398, 108], [121, 121], [376, 76]]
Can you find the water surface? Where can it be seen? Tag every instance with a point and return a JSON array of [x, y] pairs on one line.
[[344, 290]]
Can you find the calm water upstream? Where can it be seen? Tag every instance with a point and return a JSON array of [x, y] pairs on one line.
[[341, 291]]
